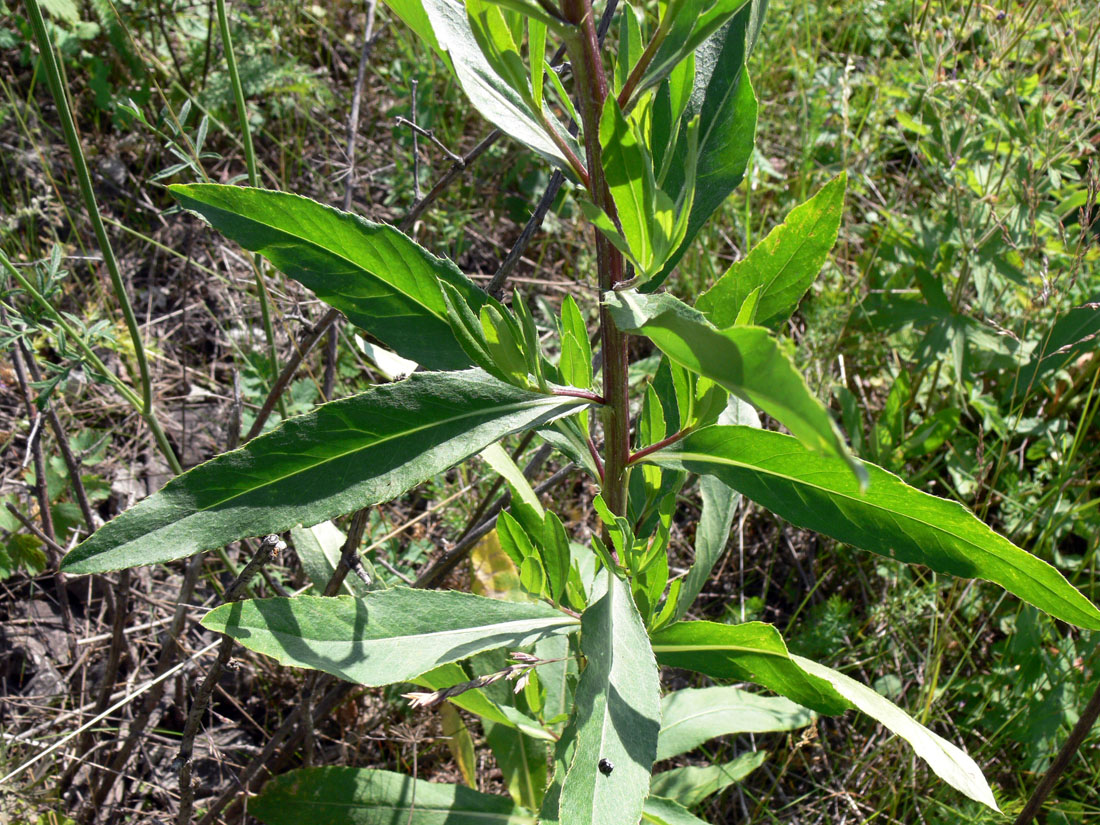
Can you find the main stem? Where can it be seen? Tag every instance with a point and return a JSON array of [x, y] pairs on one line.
[[591, 89]]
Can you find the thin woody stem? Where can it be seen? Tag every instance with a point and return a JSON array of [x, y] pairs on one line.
[[592, 90], [660, 445]]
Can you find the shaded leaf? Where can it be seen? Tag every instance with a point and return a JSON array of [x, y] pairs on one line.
[[459, 742], [727, 108], [318, 548], [389, 635], [490, 93], [362, 796], [617, 714]]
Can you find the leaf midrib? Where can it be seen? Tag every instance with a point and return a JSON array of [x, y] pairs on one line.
[[415, 806], [704, 458], [517, 625], [313, 244], [548, 400]]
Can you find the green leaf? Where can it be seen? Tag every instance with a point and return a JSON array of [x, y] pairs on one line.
[[694, 22], [724, 100], [891, 518], [661, 811], [747, 361], [783, 265], [363, 796], [576, 350], [478, 703], [719, 503], [490, 93], [318, 548], [692, 716], [949, 763], [629, 176], [522, 763], [344, 455], [384, 282], [497, 457], [412, 14], [691, 785], [555, 554], [750, 652], [387, 636], [459, 742], [617, 714]]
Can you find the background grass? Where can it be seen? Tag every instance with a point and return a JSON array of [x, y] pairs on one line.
[[969, 133]]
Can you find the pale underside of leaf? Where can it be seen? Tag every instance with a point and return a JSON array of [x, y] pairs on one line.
[[950, 763], [389, 636]]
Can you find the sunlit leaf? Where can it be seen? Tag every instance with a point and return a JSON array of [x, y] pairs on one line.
[[344, 455], [387, 636]]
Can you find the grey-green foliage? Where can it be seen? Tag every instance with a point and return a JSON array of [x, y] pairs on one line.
[[344, 455], [387, 636]]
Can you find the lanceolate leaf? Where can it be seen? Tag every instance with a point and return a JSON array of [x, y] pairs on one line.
[[362, 796], [749, 652], [478, 703], [719, 505], [490, 93], [661, 811], [318, 549], [783, 265], [691, 785], [617, 715], [747, 361], [891, 518], [727, 108], [344, 455], [950, 764], [388, 636], [384, 282], [691, 716]]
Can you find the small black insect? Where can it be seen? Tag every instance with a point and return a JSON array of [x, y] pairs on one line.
[[606, 767]]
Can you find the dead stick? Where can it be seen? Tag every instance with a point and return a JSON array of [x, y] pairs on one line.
[[268, 549], [1076, 738], [152, 698]]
